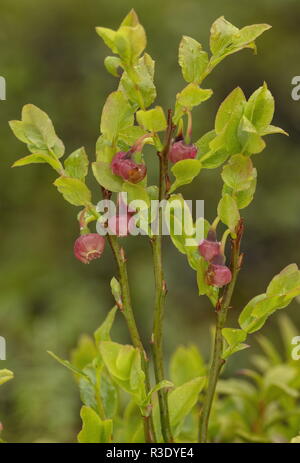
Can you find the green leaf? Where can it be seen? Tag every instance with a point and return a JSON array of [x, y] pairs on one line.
[[221, 34], [186, 364], [84, 353], [73, 190], [259, 109], [251, 141], [104, 176], [239, 173], [192, 95], [124, 365], [117, 115], [271, 129], [94, 430], [185, 171], [67, 364], [182, 400], [141, 91], [230, 109], [164, 384], [286, 281], [226, 39], [228, 212], [37, 131], [192, 59], [243, 198], [234, 339], [211, 157], [103, 332], [5, 375], [248, 34], [39, 158], [130, 42], [116, 291], [280, 292], [108, 36], [113, 65], [76, 165], [18, 129], [153, 120]]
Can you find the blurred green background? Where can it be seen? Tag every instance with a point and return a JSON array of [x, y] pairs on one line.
[[51, 57]]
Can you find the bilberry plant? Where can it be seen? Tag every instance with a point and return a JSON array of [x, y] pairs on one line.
[[156, 411]]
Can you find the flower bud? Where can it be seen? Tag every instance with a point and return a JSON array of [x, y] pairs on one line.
[[179, 151], [218, 275], [209, 249], [123, 166], [89, 247]]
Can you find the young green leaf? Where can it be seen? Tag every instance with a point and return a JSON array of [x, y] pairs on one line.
[[234, 339], [238, 173], [192, 95], [259, 109], [183, 399], [185, 171], [74, 191], [141, 91], [116, 291], [76, 165], [192, 59], [211, 157], [94, 430], [221, 34], [39, 158], [153, 120], [103, 332], [104, 176], [117, 115], [5, 375], [113, 65], [186, 364], [228, 212]]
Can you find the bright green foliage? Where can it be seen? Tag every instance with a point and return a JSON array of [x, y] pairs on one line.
[[94, 430], [280, 292], [124, 365], [192, 59], [228, 212], [117, 115], [76, 165], [182, 399], [186, 364], [185, 171], [152, 120], [234, 339], [5, 375], [111, 376], [74, 191]]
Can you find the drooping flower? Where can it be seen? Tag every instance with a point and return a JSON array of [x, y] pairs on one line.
[[180, 150], [124, 166], [218, 275], [89, 247]]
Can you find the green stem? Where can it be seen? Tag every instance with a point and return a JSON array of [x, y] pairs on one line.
[[160, 291], [221, 315], [132, 326]]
